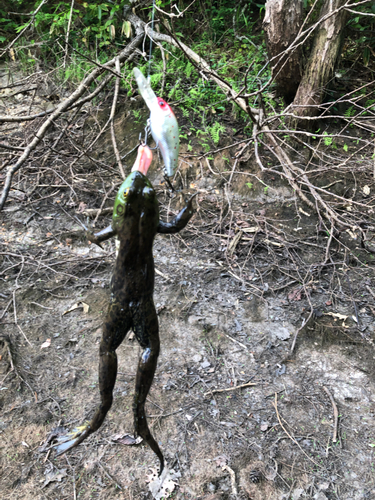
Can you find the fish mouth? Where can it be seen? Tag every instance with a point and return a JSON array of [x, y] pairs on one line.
[[143, 161]]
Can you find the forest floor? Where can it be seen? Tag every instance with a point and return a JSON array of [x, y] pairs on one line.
[[235, 411]]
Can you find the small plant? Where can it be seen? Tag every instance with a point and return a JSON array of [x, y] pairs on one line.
[[328, 141], [215, 130], [349, 112], [137, 115]]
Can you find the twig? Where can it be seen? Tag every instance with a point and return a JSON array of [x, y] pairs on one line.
[[109, 477], [67, 33], [304, 323], [232, 479], [371, 291], [237, 341], [162, 275], [353, 301], [335, 414], [6, 308], [180, 13], [12, 148], [40, 305], [13, 368], [248, 384], [102, 205], [15, 318], [236, 161], [93, 212], [289, 436]]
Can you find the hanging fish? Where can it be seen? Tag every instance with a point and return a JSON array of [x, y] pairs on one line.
[[164, 126]]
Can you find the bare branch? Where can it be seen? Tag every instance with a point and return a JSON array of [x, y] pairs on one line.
[[64, 106]]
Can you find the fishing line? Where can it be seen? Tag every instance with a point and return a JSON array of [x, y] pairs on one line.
[[152, 27], [148, 127]]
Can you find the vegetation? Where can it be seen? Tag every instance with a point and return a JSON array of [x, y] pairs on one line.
[[238, 75]]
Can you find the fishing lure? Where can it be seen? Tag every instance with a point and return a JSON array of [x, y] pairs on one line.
[[163, 123]]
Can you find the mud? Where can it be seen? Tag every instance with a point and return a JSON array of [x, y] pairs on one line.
[[235, 412]]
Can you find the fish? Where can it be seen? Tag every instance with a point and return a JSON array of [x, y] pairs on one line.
[[163, 123]]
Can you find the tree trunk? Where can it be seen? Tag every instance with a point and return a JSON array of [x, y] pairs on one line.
[[322, 61], [282, 21]]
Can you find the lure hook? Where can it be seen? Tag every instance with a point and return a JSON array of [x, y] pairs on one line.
[[147, 130]]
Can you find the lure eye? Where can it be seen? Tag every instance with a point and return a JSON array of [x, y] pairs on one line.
[[126, 192], [162, 103]]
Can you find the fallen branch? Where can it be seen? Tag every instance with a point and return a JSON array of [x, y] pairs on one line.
[[248, 384], [335, 414]]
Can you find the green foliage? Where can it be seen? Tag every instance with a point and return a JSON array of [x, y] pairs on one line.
[[94, 25], [350, 112], [327, 139], [222, 32], [215, 130]]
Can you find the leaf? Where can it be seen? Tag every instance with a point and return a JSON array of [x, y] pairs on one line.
[[77, 305], [126, 29], [336, 315], [163, 486], [126, 439], [366, 190], [56, 475], [46, 344]]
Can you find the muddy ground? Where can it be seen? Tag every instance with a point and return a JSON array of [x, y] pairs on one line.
[[237, 414]]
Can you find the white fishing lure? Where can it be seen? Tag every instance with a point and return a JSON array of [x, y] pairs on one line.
[[164, 126]]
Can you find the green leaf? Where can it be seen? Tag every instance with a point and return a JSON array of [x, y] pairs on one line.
[[126, 29]]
